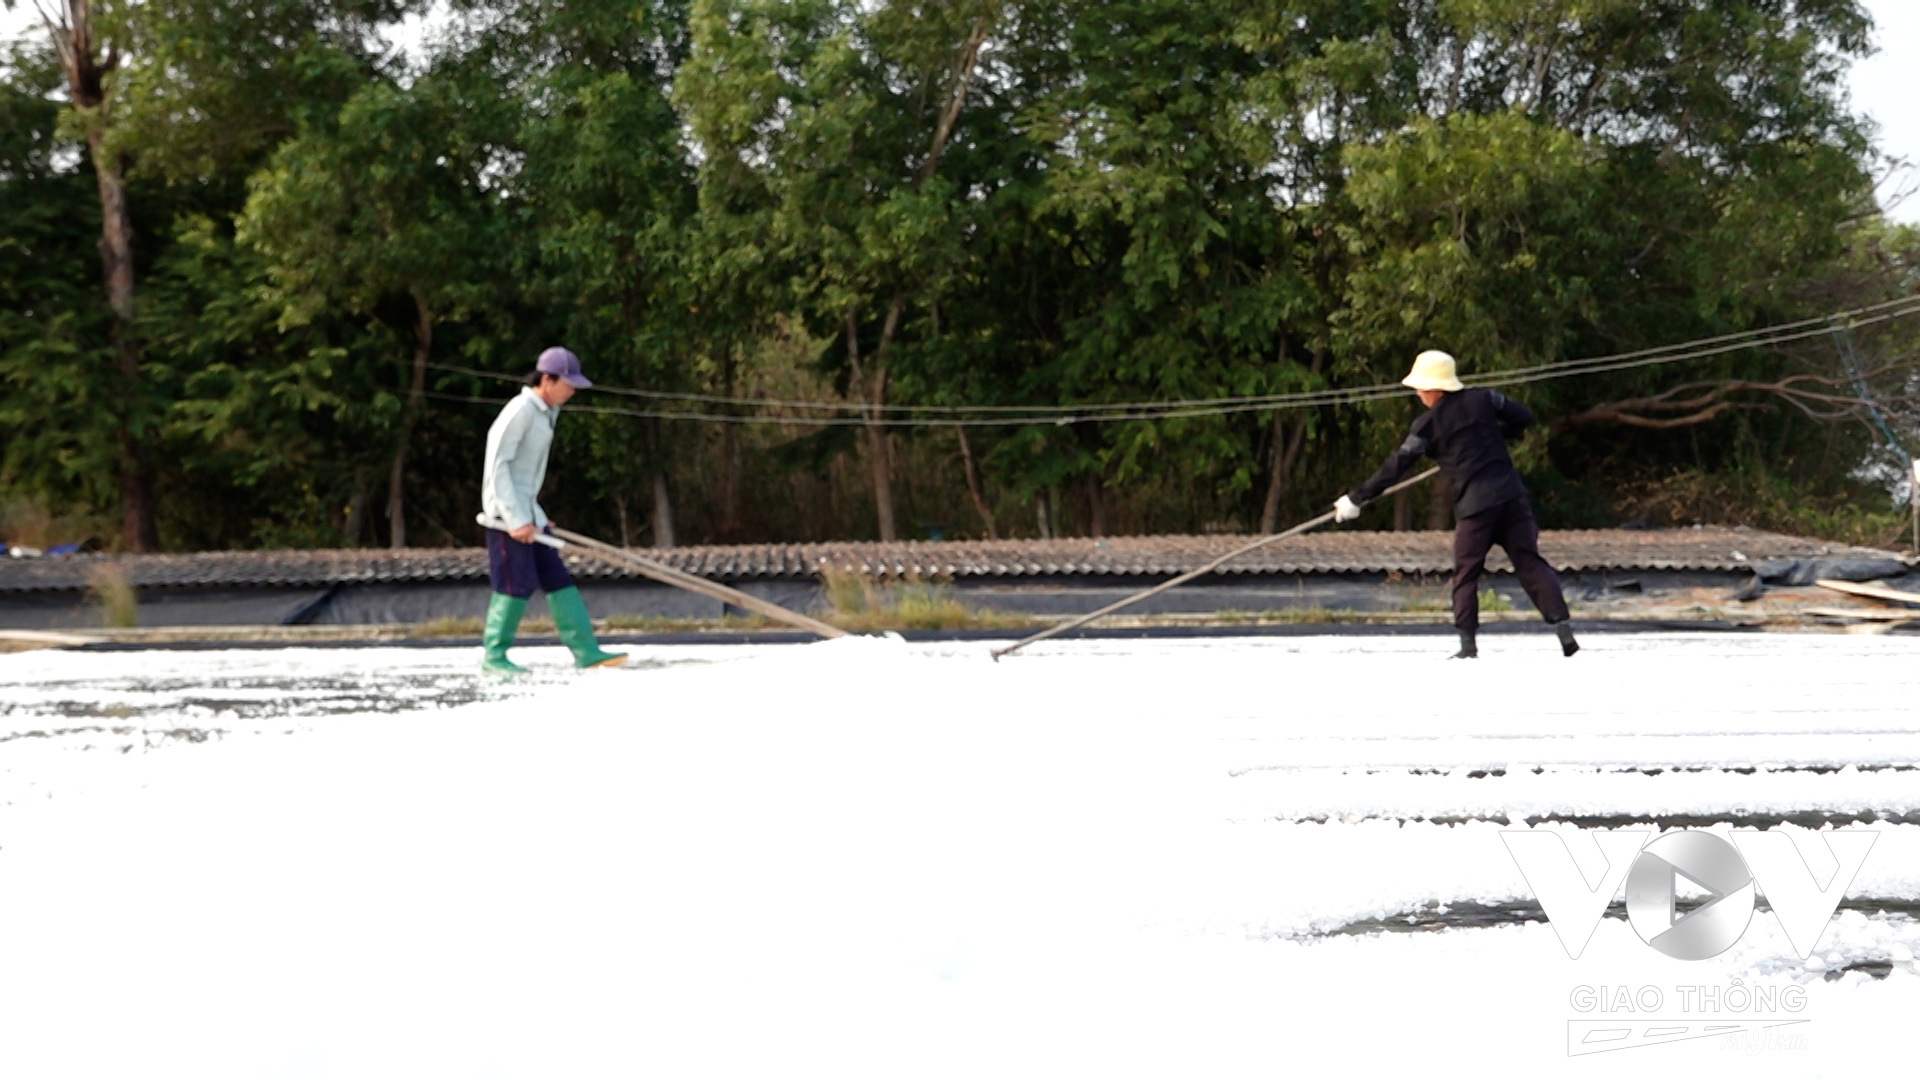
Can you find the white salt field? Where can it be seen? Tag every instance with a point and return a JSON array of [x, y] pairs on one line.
[[1231, 857]]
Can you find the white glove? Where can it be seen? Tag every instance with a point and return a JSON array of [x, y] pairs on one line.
[[1345, 510]]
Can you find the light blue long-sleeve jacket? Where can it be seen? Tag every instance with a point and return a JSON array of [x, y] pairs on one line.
[[517, 446]]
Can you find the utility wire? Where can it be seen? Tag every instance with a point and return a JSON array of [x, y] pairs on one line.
[[905, 416], [1640, 358]]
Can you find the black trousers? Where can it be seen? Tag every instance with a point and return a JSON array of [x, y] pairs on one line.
[[1510, 525], [515, 568]]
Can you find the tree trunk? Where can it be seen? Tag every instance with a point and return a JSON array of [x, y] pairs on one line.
[[1276, 480], [1440, 503], [662, 511], [1403, 510], [962, 79], [620, 507], [1096, 508], [882, 455], [729, 460], [1043, 513], [86, 71], [138, 529], [355, 526], [409, 414], [873, 394], [873, 391], [1285, 455], [973, 485], [1458, 69], [1284, 459], [396, 496]]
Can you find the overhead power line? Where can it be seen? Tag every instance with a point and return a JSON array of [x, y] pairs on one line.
[[850, 414]]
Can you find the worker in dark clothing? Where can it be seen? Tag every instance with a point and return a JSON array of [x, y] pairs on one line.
[[1466, 432]]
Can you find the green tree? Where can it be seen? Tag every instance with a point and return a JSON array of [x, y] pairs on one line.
[[1585, 178], [1057, 203], [406, 195], [53, 325], [188, 90], [89, 42], [608, 195], [826, 122]]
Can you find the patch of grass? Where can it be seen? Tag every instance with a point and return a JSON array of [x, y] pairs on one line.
[[1419, 593], [1493, 603], [1427, 599], [861, 604], [446, 626], [107, 587], [656, 624], [451, 626], [849, 593], [1275, 616], [1302, 615]]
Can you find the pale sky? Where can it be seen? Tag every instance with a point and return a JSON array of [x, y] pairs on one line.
[[1885, 86]]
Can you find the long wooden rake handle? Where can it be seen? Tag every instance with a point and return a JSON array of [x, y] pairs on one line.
[[1074, 624], [696, 584]]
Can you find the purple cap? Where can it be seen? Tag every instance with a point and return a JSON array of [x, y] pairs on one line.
[[562, 362]]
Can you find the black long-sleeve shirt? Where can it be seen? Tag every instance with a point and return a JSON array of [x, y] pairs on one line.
[[1466, 434]]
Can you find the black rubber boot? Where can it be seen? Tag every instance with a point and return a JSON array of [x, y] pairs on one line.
[[1564, 631], [1468, 650]]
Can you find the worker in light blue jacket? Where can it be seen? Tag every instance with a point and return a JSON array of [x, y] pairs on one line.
[[517, 446]]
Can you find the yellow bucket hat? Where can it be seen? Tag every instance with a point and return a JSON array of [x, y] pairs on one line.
[[1433, 370]]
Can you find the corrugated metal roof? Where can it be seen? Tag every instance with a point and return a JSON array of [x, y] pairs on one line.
[[1709, 548]]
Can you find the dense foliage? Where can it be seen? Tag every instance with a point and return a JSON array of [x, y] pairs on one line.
[[343, 255]]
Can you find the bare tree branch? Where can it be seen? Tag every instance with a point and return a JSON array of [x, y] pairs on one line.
[[1703, 401], [962, 79]]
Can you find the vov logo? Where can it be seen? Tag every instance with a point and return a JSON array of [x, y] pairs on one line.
[[1728, 871]]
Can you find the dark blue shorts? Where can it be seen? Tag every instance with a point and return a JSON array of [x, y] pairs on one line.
[[517, 569]]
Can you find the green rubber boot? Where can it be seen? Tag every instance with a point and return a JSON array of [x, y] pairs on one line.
[[576, 630], [503, 618]]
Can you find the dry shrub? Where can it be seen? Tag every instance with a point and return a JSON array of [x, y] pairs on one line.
[[30, 524], [107, 588], [25, 524], [860, 603], [1690, 498]]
